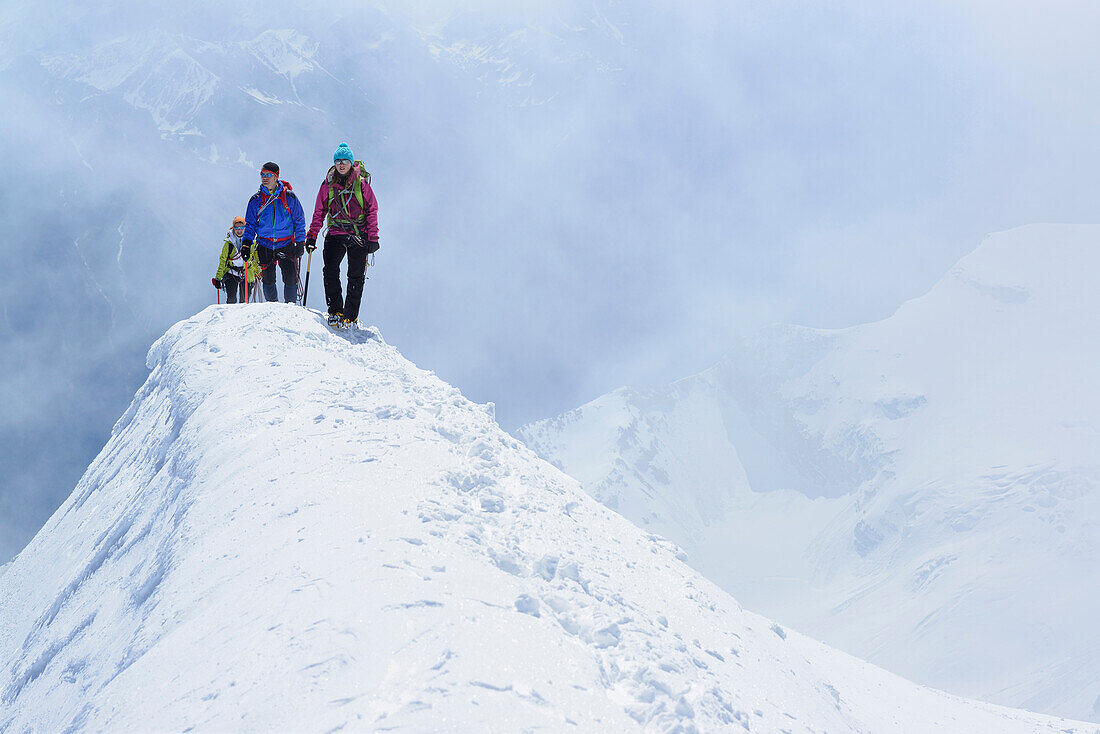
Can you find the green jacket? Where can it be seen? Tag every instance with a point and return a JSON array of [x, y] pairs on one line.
[[231, 257]]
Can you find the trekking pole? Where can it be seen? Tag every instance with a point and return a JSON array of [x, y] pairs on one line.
[[323, 232], [305, 292], [246, 281]]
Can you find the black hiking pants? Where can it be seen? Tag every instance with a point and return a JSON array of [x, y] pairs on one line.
[[336, 246], [289, 266], [234, 287]]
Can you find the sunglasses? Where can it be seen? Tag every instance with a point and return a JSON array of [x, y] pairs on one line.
[[238, 226], [266, 174]]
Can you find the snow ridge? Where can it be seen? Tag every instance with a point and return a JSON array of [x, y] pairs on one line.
[[299, 530]]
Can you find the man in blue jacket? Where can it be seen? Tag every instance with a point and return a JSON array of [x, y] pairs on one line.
[[274, 220]]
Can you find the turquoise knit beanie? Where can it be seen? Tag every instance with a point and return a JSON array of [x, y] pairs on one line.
[[343, 153]]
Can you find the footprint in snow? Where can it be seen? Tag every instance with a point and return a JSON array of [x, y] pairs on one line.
[[527, 604], [492, 503]]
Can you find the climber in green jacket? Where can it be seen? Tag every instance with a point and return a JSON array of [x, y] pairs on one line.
[[233, 271]]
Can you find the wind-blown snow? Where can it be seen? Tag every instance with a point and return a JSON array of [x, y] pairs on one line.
[[292, 529], [954, 449]]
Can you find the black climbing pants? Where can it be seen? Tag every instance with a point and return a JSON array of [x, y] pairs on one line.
[[234, 287], [289, 266], [336, 246]]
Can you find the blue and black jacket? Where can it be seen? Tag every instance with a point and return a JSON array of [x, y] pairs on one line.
[[274, 220]]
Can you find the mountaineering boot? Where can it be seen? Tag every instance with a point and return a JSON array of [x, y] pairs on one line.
[[335, 319], [348, 323]]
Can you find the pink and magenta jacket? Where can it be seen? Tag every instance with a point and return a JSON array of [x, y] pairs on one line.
[[366, 215]]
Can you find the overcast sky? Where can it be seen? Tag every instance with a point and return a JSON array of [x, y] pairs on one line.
[[573, 196]]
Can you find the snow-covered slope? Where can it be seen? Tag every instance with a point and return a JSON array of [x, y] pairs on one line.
[[291, 529], [954, 454]]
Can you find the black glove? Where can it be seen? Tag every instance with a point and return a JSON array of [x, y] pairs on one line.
[[217, 283], [372, 247], [246, 248], [298, 249], [311, 243]]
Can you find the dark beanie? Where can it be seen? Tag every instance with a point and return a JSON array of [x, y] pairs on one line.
[[273, 167]]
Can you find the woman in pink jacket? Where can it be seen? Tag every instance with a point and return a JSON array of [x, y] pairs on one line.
[[347, 201]]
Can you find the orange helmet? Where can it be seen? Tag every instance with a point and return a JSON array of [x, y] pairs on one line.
[[238, 220]]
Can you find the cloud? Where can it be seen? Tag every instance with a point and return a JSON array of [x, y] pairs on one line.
[[574, 196]]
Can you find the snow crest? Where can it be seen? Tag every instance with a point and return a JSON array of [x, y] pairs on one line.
[[294, 529]]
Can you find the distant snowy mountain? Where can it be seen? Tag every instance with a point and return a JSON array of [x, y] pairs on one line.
[[952, 452], [292, 529]]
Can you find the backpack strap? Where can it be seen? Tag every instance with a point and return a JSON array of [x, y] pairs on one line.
[[363, 176], [269, 199]]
